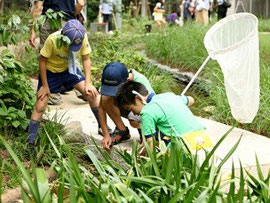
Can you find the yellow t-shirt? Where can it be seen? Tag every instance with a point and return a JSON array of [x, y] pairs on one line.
[[58, 58]]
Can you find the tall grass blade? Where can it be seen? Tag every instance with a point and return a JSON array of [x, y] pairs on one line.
[[206, 161], [33, 188], [43, 186], [97, 164]]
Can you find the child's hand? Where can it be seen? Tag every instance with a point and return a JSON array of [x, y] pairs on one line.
[[106, 142], [90, 90], [43, 92]]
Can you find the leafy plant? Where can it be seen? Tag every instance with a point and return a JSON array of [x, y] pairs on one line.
[[9, 27], [17, 96]]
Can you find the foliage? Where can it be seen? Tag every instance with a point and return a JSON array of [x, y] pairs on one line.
[[10, 26], [108, 49], [92, 10], [160, 176], [264, 25], [178, 47], [54, 18], [62, 40], [17, 96]]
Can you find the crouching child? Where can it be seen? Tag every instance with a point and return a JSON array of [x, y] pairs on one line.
[[164, 113]]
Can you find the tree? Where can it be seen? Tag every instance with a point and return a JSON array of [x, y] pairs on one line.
[[1, 6]]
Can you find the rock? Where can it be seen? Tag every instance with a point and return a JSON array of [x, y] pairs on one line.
[[74, 133], [209, 109]]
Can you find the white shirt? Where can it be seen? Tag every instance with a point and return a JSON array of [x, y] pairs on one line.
[[106, 6], [202, 4]]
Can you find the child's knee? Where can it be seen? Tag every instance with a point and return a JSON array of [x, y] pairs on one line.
[[40, 107], [94, 101]]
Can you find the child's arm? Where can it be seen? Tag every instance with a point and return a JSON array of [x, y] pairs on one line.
[[190, 100], [106, 141], [44, 90], [150, 142], [79, 6], [89, 88], [36, 11]]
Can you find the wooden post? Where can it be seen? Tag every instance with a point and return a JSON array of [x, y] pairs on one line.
[[144, 9], [1, 6], [266, 9]]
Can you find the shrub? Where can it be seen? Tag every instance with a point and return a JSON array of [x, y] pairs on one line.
[[17, 96]]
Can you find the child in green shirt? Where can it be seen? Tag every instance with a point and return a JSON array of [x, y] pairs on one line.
[[167, 113]]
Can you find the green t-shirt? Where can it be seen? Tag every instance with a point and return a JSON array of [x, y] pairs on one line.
[[138, 77], [178, 115]]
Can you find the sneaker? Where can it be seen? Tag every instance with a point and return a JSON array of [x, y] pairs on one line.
[[55, 99], [108, 128], [120, 135]]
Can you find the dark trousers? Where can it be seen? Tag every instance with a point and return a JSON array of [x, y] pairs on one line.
[[222, 12], [108, 18]]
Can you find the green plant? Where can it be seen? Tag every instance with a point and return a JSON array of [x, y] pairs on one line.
[[264, 25], [180, 48], [17, 96], [9, 28]]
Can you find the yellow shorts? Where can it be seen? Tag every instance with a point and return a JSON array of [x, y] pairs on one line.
[[197, 140]]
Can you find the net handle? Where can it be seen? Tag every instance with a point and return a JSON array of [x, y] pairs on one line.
[[195, 76]]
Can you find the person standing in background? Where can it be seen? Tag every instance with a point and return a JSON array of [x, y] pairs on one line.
[[202, 11], [158, 14], [211, 8], [222, 9], [106, 9]]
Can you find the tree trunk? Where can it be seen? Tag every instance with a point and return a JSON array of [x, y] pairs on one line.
[[144, 9], [1, 6]]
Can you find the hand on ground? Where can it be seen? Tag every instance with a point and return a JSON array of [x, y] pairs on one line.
[[106, 142]]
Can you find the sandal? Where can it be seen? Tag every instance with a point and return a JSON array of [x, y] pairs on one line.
[[120, 135]]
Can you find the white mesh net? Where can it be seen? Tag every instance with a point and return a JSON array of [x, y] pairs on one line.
[[233, 42]]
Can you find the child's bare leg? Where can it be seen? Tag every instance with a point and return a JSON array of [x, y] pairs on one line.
[[93, 101], [39, 108], [37, 113]]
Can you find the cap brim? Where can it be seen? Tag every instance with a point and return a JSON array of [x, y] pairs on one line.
[[75, 47], [109, 90]]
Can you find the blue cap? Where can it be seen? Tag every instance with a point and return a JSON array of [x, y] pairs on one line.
[[113, 75], [75, 31]]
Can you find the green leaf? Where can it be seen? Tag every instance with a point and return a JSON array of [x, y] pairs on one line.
[[3, 112], [25, 173], [15, 123], [43, 186]]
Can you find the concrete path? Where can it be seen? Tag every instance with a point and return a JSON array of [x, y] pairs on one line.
[[251, 144]]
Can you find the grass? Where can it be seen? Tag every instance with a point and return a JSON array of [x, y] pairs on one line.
[[160, 176], [183, 48], [264, 25], [180, 48]]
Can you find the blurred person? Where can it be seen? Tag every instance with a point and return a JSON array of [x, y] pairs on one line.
[[202, 8], [186, 10], [222, 9], [158, 14], [211, 9], [106, 10]]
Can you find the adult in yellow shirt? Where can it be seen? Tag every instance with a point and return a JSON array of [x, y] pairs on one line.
[[57, 68]]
